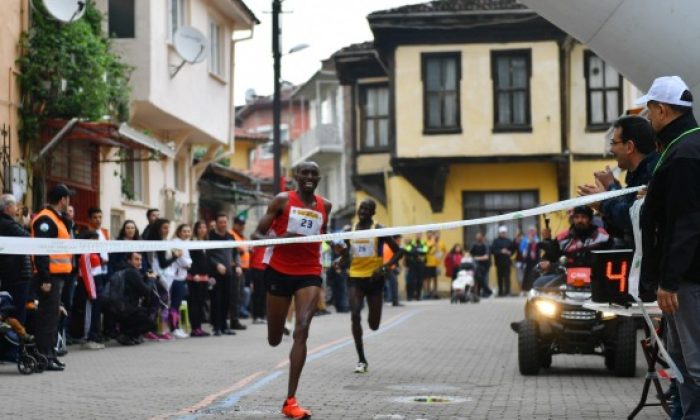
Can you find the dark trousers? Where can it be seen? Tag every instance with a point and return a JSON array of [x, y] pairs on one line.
[[95, 332], [529, 275], [178, 292], [414, 282], [134, 323], [196, 296], [47, 317], [20, 293], [220, 301], [393, 283], [340, 289], [235, 299], [244, 292], [503, 274], [259, 293]]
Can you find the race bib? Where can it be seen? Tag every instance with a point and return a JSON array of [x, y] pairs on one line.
[[304, 222], [363, 248]]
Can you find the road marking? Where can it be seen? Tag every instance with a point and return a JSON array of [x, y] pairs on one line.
[[244, 387], [208, 400]]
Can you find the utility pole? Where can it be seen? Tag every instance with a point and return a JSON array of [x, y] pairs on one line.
[[276, 105]]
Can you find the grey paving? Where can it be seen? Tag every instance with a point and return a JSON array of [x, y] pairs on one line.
[[463, 352]]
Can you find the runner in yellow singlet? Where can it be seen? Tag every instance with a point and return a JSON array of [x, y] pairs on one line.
[[366, 276]]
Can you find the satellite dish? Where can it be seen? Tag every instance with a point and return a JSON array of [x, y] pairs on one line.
[[66, 11], [191, 44]]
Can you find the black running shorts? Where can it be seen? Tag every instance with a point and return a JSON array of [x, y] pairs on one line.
[[284, 285], [367, 285]]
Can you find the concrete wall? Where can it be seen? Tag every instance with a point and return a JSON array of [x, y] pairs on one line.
[[476, 101], [14, 21]]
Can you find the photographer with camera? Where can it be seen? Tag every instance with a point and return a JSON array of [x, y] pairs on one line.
[[126, 291]]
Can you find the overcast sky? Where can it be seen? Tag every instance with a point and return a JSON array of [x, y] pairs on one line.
[[326, 25]]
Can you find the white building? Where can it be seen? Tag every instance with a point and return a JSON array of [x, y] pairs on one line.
[[325, 142], [193, 108]]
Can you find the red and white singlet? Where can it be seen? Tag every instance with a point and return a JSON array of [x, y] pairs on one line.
[[298, 259]]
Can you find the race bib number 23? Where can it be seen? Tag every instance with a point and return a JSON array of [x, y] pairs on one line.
[[304, 221]]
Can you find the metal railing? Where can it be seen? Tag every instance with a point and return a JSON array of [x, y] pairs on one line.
[[323, 138]]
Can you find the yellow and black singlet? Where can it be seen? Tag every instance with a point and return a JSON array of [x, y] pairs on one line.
[[366, 256]]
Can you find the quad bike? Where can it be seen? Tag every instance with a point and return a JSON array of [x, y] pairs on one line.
[[557, 323]]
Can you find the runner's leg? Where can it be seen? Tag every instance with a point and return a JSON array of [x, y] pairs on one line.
[[375, 304], [277, 307], [305, 301], [357, 298]]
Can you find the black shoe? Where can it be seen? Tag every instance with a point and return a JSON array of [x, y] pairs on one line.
[[323, 312], [217, 333], [61, 352], [238, 326], [125, 340], [285, 331], [52, 365], [515, 326], [397, 304], [229, 332], [58, 362]]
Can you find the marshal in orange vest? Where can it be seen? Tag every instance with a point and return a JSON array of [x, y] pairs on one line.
[[58, 263]]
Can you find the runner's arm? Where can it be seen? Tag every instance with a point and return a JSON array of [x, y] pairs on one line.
[[273, 210]]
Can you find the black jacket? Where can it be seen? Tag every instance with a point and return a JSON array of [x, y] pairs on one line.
[[226, 256], [670, 218], [136, 288], [497, 245], [617, 210], [200, 262], [13, 268]]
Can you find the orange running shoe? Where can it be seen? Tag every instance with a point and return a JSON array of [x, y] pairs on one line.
[[292, 410]]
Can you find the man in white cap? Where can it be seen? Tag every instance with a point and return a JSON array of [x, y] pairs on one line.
[[671, 230], [502, 249]]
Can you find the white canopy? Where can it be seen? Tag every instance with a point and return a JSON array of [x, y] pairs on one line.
[[642, 39]]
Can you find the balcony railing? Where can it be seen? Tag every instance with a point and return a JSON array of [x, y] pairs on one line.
[[322, 139]]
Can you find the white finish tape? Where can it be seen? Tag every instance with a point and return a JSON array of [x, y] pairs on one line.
[[43, 246]]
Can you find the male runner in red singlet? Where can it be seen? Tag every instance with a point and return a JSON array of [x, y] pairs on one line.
[[294, 270]]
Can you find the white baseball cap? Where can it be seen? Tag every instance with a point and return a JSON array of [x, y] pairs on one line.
[[667, 90], [502, 229]]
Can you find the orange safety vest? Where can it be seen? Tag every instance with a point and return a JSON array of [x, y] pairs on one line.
[[243, 251], [58, 263]]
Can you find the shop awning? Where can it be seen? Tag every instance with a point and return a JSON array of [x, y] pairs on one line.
[[103, 134], [131, 133]]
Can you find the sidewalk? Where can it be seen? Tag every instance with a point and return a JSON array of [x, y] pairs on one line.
[[464, 352]]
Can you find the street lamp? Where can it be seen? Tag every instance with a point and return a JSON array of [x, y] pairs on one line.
[[276, 105]]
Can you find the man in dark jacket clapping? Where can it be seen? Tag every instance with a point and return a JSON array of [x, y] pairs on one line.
[[15, 270]]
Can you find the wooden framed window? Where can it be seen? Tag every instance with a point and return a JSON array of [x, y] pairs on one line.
[[510, 72], [176, 16], [132, 176], [603, 92], [121, 18], [493, 203], [216, 56], [441, 74], [74, 162], [374, 114]]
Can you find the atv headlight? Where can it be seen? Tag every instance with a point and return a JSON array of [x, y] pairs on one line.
[[605, 315], [546, 308]]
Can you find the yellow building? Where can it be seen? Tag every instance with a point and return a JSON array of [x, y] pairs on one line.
[[466, 109], [14, 21]]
